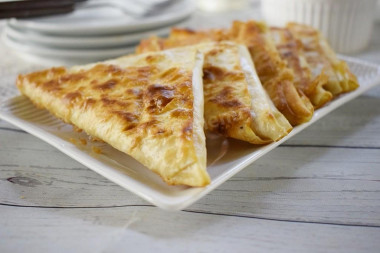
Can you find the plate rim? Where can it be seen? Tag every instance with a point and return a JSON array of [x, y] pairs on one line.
[[71, 42], [66, 52], [105, 28]]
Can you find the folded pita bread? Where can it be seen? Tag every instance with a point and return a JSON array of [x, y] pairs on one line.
[[236, 105], [275, 76], [149, 106], [323, 61], [311, 84]]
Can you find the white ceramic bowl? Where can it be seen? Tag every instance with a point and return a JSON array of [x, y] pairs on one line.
[[347, 24]]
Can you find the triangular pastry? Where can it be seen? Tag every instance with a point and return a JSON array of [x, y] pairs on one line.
[[236, 105], [310, 83], [149, 106], [274, 75], [323, 61]]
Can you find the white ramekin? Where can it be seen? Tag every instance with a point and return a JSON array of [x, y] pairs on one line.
[[347, 24]]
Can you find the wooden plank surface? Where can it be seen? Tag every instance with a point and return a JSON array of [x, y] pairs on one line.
[[148, 229], [327, 180]]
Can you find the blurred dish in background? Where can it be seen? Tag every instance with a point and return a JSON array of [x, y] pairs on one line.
[[40, 8], [347, 24], [81, 41], [221, 5], [63, 56], [91, 34], [105, 20]]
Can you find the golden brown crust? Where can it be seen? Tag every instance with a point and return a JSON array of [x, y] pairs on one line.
[[291, 51], [180, 37], [276, 77], [229, 107], [322, 60], [271, 69], [152, 44], [131, 104]]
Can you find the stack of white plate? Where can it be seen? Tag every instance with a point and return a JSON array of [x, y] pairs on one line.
[[91, 33]]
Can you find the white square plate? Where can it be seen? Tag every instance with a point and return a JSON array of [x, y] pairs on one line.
[[128, 173]]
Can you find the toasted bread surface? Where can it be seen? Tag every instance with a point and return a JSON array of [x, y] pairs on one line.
[[236, 105], [323, 61], [149, 106]]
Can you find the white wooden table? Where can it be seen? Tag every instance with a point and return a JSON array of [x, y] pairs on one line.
[[319, 192]]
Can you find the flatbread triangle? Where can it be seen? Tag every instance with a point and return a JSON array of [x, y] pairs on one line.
[[149, 106]]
